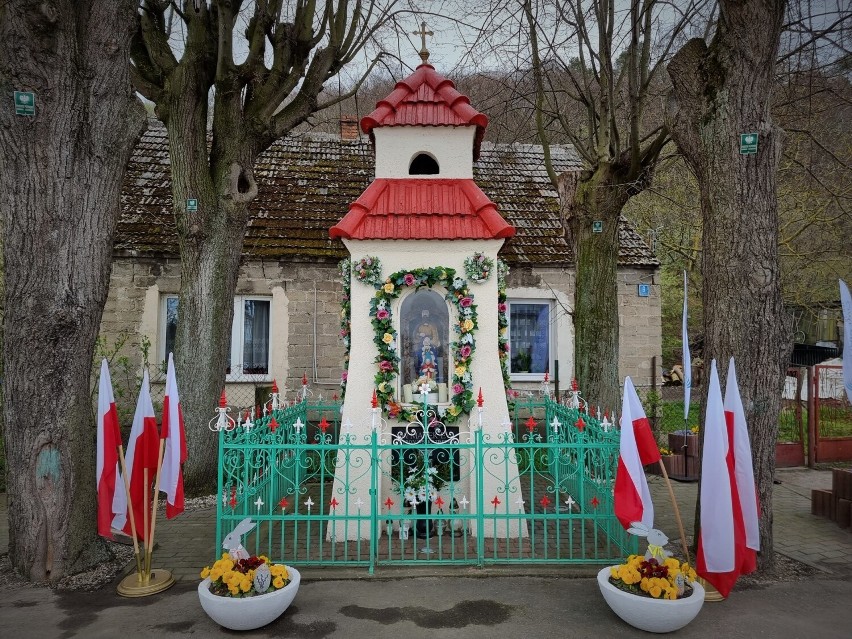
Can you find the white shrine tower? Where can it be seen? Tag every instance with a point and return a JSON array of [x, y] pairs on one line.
[[423, 213]]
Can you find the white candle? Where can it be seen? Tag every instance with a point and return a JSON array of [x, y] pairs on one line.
[[442, 393], [406, 393]]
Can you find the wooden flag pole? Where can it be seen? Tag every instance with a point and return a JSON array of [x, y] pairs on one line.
[[130, 510], [154, 507], [146, 582], [677, 512], [146, 530]]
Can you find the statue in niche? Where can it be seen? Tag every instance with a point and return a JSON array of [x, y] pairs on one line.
[[426, 359], [423, 330]]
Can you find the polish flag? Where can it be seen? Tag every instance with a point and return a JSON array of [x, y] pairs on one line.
[[638, 447], [142, 452], [741, 469], [723, 553], [109, 439], [171, 478]]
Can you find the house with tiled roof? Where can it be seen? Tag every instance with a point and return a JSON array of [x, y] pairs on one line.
[[317, 190]]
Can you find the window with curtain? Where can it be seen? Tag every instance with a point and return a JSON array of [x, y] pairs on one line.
[[529, 338], [249, 333]]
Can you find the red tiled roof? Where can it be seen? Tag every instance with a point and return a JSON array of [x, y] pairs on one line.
[[412, 209], [426, 98]]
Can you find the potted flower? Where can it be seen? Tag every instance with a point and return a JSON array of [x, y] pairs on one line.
[[242, 591], [655, 592], [421, 478]]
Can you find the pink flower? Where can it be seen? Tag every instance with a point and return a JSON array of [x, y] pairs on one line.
[[382, 314], [464, 351], [344, 376], [343, 332], [502, 307], [457, 388], [465, 302], [408, 279], [386, 365], [506, 347]]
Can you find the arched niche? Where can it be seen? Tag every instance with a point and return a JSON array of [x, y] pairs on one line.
[[424, 324], [424, 164]]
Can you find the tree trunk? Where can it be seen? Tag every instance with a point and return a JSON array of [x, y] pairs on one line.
[[61, 172], [720, 92], [594, 196]]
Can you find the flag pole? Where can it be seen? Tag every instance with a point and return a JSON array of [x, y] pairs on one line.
[[146, 531], [154, 506], [130, 511], [677, 512]]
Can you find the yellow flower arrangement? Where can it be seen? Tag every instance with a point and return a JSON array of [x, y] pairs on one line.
[[229, 578], [650, 578], [388, 287], [467, 325], [387, 338]]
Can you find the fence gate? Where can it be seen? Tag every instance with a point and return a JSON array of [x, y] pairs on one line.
[[832, 415], [424, 493]]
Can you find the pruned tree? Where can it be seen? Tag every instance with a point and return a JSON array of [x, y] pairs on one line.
[[61, 173], [597, 71], [721, 91], [291, 49]]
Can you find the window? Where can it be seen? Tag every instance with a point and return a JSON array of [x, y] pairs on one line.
[[423, 164], [423, 327], [529, 338], [249, 347]]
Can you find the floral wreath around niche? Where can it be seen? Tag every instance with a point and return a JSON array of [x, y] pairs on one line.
[[503, 330], [345, 319], [478, 267], [386, 336], [368, 270]]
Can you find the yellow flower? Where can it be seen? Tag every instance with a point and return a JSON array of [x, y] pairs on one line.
[[382, 387], [278, 582], [234, 589], [453, 410], [655, 591], [215, 574], [467, 325], [245, 585], [206, 572], [387, 338], [388, 287], [672, 564], [460, 370], [671, 594]]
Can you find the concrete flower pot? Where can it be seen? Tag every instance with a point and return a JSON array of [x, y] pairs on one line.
[[646, 613], [250, 612]]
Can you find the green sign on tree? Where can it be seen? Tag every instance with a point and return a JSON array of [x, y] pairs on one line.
[[192, 205], [24, 103], [748, 143]]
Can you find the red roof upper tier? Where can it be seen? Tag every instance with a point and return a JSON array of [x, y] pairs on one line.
[[426, 98], [422, 209]]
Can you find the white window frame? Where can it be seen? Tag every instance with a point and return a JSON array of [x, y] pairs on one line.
[[551, 337], [236, 337]]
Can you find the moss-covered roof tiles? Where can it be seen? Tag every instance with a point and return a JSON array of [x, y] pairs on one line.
[[306, 183]]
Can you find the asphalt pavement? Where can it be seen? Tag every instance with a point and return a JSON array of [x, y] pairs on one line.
[[511, 602]]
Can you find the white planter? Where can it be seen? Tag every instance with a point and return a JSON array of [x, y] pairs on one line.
[[646, 613], [251, 612]]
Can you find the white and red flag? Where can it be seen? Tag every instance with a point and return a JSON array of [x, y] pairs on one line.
[[142, 452], [171, 477], [723, 551], [637, 448], [108, 440]]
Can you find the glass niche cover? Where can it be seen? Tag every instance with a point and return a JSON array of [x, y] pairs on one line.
[[425, 356]]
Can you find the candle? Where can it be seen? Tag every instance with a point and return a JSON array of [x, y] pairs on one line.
[[442, 393], [406, 393]]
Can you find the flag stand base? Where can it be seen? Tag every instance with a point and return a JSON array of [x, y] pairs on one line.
[[710, 592], [132, 585]]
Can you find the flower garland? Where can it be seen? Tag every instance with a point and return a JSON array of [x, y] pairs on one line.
[[345, 267], [503, 329], [368, 270], [462, 349], [478, 267]]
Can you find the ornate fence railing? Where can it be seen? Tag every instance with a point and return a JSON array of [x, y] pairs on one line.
[[534, 491]]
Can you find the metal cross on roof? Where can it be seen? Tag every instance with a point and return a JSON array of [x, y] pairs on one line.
[[424, 52]]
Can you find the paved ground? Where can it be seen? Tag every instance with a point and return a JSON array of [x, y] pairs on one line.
[[464, 602]]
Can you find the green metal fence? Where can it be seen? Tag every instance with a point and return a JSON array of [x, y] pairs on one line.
[[539, 491]]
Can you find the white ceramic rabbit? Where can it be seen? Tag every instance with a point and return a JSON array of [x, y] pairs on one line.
[[233, 541], [656, 540]]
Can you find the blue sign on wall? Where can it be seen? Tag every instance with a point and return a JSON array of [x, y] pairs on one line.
[[644, 290]]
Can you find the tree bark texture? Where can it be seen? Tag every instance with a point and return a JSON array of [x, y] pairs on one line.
[[60, 175], [718, 93], [253, 105], [595, 196]]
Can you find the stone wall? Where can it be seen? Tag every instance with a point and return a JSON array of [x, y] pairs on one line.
[[306, 301]]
